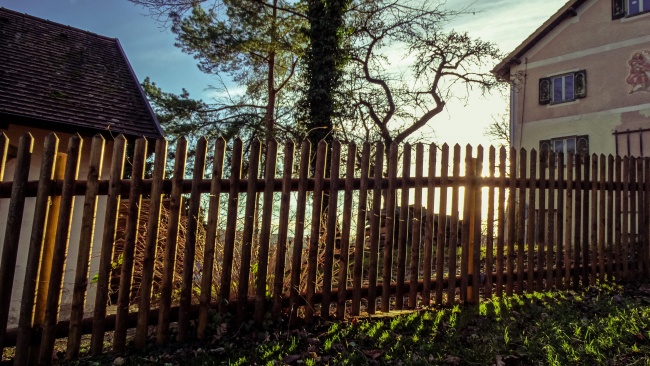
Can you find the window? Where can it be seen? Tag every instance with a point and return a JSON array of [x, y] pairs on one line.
[[563, 88], [566, 145], [627, 8]]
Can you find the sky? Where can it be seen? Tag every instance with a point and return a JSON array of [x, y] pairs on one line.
[[150, 49]]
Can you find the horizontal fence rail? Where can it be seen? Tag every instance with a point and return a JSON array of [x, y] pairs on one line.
[[296, 230]]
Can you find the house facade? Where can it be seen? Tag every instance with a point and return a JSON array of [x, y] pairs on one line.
[[581, 81], [55, 78]]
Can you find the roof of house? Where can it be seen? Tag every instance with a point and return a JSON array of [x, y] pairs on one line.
[[61, 78], [502, 70]]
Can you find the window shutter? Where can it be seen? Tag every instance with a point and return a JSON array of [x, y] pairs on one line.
[[618, 9], [544, 150], [544, 91], [580, 84], [582, 144]]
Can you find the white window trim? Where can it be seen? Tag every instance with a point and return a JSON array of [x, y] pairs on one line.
[[563, 101], [641, 9]]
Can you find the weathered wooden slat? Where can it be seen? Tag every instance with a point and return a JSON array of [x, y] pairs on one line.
[[511, 221], [550, 218], [521, 219], [85, 244], [501, 218], [602, 222], [41, 207], [558, 160], [108, 239], [593, 258], [130, 237], [60, 248], [453, 237], [530, 263], [330, 231], [625, 224], [544, 266], [417, 227], [468, 202], [568, 209], [402, 225], [640, 214], [646, 216], [584, 269], [441, 235], [618, 248], [489, 240], [389, 203], [189, 252], [211, 236], [169, 258], [151, 243], [360, 238], [247, 233], [611, 250], [475, 262], [283, 228], [316, 222], [12, 232], [577, 221], [344, 254], [429, 228], [296, 255], [375, 224], [270, 164]]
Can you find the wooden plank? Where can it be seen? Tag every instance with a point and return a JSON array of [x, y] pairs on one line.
[[316, 221], [551, 235], [530, 265], [391, 197], [417, 227], [130, 237], [602, 222], [521, 228], [511, 221], [330, 232], [231, 225], [151, 243], [468, 202], [60, 247], [403, 223], [85, 244], [585, 220], [108, 238], [441, 235], [270, 163], [568, 223], [577, 221], [625, 225], [640, 214], [475, 262], [12, 231], [189, 253], [429, 227], [247, 233], [344, 256], [169, 258], [360, 238], [501, 219], [544, 265], [611, 252], [558, 160], [646, 216], [593, 258], [283, 229], [298, 245], [453, 237], [211, 236], [375, 224], [618, 249], [41, 208], [489, 240]]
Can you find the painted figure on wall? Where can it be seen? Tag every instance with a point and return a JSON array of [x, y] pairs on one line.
[[639, 77]]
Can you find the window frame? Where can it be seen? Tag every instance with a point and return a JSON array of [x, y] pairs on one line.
[[580, 142], [547, 87], [621, 8]]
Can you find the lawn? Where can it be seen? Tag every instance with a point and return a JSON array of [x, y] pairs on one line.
[[604, 325]]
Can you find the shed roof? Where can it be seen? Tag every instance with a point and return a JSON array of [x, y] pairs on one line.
[[57, 77]]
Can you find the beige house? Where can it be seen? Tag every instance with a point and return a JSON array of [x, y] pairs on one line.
[[581, 81], [55, 78]]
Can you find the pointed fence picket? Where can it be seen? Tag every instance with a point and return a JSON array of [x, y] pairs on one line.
[[361, 229]]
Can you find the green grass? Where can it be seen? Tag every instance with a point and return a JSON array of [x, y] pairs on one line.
[[602, 325]]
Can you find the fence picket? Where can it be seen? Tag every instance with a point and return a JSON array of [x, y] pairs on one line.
[[453, 237], [511, 221], [577, 221], [465, 234], [441, 235], [375, 224], [283, 229], [611, 192], [646, 216], [402, 225], [585, 220], [551, 221], [476, 264], [330, 232], [558, 160], [625, 224], [530, 265], [602, 220], [429, 233], [618, 245], [389, 205], [521, 219], [344, 253], [544, 246], [360, 238], [568, 220], [417, 227], [489, 240], [85, 245], [501, 219], [316, 222], [593, 257], [296, 255], [640, 214]]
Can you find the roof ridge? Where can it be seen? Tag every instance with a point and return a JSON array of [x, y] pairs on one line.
[[32, 17]]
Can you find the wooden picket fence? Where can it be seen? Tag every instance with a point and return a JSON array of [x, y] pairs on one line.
[[481, 227]]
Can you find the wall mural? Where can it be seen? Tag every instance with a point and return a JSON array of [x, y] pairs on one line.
[[639, 77]]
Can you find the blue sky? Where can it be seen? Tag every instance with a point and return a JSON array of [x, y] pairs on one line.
[[150, 48]]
